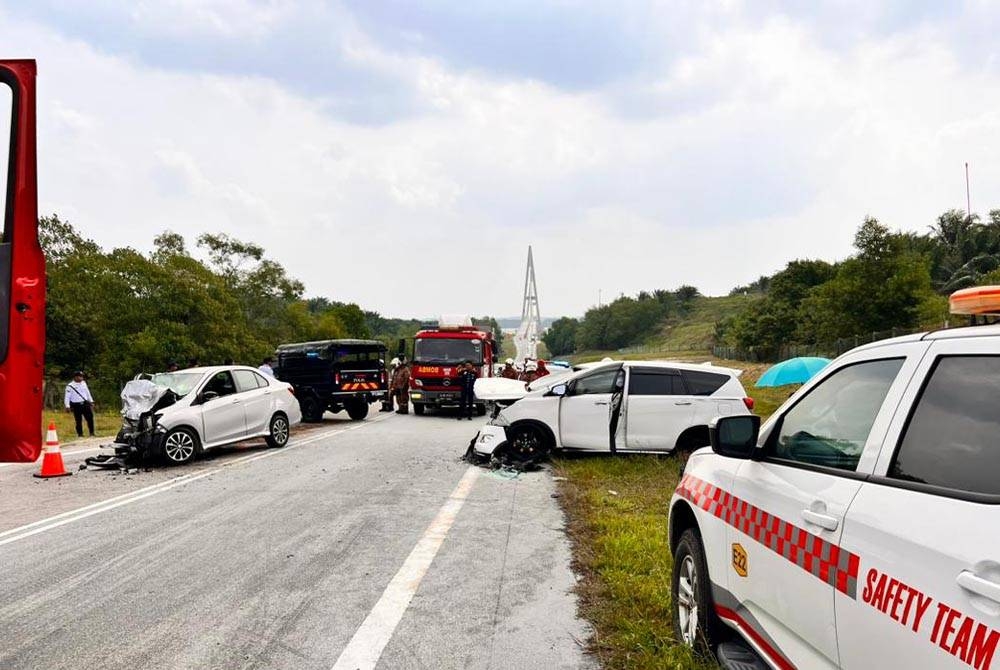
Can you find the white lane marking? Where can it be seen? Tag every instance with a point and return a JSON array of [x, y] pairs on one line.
[[64, 453], [27, 530], [369, 641]]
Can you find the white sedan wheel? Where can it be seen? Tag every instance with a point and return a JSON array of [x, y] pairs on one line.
[[179, 446]]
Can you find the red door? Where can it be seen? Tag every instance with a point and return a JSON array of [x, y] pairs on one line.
[[22, 269]]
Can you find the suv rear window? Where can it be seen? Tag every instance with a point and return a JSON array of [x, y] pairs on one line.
[[655, 382], [703, 383], [953, 437]]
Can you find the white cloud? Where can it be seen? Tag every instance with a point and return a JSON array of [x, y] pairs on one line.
[[761, 145]]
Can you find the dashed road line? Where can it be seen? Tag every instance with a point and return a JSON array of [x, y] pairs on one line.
[[369, 641]]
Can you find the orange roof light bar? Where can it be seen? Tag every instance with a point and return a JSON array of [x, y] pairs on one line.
[[976, 301]]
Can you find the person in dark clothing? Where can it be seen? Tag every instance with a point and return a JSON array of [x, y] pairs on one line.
[[467, 381]]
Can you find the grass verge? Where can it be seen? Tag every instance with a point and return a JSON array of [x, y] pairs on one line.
[[106, 424], [616, 512]]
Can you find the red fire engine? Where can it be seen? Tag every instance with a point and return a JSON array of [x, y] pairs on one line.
[[437, 353]]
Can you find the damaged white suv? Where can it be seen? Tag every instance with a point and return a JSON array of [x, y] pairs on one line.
[[634, 406]]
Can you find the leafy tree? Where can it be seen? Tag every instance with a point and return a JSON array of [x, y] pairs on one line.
[[882, 287], [560, 338]]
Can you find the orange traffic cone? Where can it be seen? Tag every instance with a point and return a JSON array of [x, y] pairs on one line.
[[52, 462]]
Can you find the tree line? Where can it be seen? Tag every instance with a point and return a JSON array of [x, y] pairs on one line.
[[622, 322], [894, 280], [115, 313]]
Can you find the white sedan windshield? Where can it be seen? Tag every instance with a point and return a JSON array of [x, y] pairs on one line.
[[180, 383]]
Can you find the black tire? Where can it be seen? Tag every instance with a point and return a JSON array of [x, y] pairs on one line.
[[526, 444], [180, 446], [692, 439], [312, 409], [418, 408], [480, 410], [279, 431], [695, 622], [357, 409]]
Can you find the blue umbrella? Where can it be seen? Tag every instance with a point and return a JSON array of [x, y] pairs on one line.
[[793, 371]]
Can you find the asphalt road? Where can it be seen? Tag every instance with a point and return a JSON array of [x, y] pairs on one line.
[[359, 545]]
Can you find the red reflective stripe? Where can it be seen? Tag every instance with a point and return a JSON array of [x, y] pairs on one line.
[[774, 656], [776, 534]]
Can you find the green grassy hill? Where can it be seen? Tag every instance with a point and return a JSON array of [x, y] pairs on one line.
[[695, 330]]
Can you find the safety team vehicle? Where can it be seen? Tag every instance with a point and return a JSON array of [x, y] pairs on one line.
[[859, 527], [437, 354], [333, 375]]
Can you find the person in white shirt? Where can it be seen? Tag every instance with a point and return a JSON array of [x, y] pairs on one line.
[[79, 401], [266, 368]]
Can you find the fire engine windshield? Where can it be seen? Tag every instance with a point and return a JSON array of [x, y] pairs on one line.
[[441, 350]]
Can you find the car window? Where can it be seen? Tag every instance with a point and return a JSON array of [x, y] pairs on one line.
[[246, 380], [599, 382], [703, 383], [221, 383], [953, 437], [261, 380], [830, 425], [655, 382]]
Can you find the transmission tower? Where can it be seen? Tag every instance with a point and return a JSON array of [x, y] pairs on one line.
[[530, 329]]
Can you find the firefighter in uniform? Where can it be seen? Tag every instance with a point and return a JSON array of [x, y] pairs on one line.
[[509, 372], [400, 388], [387, 398]]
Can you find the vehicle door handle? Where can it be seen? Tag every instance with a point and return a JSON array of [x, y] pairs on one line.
[[821, 520], [235, 401], [979, 586], [681, 402], [601, 402]]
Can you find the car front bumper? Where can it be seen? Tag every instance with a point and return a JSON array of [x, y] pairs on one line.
[[488, 439]]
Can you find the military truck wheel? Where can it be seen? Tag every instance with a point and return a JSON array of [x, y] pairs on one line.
[[418, 408], [312, 409], [357, 409]]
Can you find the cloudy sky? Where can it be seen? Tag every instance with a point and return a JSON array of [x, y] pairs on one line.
[[403, 155]]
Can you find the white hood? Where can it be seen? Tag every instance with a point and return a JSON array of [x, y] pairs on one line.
[[139, 396], [498, 389]]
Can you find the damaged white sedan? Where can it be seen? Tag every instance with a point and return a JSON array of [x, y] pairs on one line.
[[630, 406], [177, 415]]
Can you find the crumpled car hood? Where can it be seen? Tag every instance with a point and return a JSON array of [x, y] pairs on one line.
[[140, 396]]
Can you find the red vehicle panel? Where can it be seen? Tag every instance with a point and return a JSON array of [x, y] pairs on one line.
[[22, 275]]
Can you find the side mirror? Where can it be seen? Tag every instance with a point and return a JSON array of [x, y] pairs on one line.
[[558, 390], [734, 436], [208, 395]]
